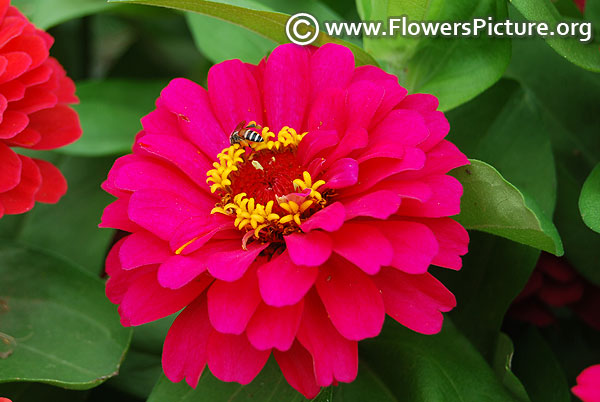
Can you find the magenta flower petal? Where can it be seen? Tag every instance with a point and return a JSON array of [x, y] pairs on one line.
[[415, 245], [274, 327], [286, 86], [146, 301], [378, 204], [364, 245], [351, 299], [232, 358], [588, 384], [143, 248], [311, 249], [231, 264], [335, 357], [415, 301], [180, 152], [232, 304], [330, 219], [283, 283], [184, 352], [297, 367], [190, 103], [331, 66], [234, 94]]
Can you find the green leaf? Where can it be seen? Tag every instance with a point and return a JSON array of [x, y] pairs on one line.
[[585, 55], [110, 113], [589, 201], [504, 126], [70, 227], [494, 272], [271, 25], [570, 112], [63, 330], [535, 364], [493, 205], [34, 392], [45, 14], [453, 69], [443, 367], [503, 368]]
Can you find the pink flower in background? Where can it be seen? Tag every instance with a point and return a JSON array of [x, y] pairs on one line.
[[301, 243], [34, 113], [588, 384]]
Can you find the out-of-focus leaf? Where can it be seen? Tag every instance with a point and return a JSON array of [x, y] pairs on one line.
[[70, 227], [585, 55], [503, 368], [453, 69], [62, 329], [47, 13], [494, 272], [110, 113], [443, 367], [271, 25], [138, 374], [539, 371], [220, 40], [570, 97], [493, 205], [32, 392], [589, 201]]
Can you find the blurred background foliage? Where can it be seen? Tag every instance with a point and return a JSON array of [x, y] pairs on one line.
[[528, 107]]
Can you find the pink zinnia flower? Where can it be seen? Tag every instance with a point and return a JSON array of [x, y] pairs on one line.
[[588, 384], [34, 113], [580, 5], [300, 244]]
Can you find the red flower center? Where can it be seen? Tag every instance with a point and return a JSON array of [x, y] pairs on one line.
[[266, 175]]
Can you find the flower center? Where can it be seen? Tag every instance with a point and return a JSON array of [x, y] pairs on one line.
[[263, 185]]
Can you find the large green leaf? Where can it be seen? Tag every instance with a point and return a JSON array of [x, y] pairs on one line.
[[569, 97], [503, 367], [443, 367], [63, 330], [110, 113], [504, 127], [453, 69], [585, 55], [35, 392], [589, 201], [47, 13], [494, 272], [70, 227], [493, 205], [535, 364], [269, 24]]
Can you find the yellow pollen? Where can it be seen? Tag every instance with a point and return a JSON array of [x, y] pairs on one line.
[[250, 215]]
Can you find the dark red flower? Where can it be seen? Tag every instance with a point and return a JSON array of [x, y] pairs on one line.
[[34, 113], [554, 283]]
